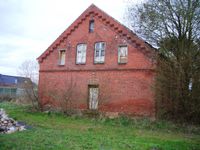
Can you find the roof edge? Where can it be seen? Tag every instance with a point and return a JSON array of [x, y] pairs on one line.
[[108, 20]]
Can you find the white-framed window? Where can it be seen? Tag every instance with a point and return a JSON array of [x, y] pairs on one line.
[[61, 60], [123, 54], [99, 54], [81, 54], [91, 26]]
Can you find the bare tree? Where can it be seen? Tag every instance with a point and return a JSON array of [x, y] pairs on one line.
[[155, 20], [173, 27], [64, 97], [29, 69]]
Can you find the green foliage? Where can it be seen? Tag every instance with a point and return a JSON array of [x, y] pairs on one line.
[[56, 131], [178, 81], [146, 123], [173, 27]]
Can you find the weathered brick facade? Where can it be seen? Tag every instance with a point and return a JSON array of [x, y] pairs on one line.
[[125, 88]]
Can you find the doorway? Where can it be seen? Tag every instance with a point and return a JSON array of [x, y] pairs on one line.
[[93, 96]]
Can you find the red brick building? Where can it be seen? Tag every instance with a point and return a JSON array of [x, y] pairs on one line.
[[97, 63]]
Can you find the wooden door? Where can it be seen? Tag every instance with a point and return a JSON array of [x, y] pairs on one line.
[[93, 97]]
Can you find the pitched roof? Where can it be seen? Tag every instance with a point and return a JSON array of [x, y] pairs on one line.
[[120, 29], [6, 80]]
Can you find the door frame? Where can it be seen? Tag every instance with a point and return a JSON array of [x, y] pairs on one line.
[[88, 99]]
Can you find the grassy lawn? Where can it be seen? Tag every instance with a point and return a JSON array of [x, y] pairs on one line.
[[55, 131]]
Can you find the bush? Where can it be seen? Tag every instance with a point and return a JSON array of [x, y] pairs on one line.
[[5, 98]]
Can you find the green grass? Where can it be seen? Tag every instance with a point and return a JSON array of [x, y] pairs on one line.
[[58, 132]]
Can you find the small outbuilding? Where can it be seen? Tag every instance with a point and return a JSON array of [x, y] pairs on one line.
[[12, 86]]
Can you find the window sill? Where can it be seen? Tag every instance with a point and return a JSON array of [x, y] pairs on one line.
[[61, 65], [80, 63], [98, 63], [122, 63]]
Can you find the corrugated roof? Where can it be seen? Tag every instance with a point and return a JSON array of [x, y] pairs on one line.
[[12, 80]]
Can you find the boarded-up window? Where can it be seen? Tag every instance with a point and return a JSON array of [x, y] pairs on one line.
[[61, 57], [91, 26], [81, 53], [122, 54], [99, 54]]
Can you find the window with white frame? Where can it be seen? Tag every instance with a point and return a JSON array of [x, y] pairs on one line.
[[123, 54], [81, 54], [61, 57], [99, 54]]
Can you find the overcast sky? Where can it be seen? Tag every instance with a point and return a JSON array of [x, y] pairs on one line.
[[28, 27]]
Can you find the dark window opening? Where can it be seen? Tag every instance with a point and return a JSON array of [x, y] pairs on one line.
[[91, 26]]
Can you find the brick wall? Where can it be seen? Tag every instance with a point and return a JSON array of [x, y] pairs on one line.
[[120, 91], [124, 88]]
